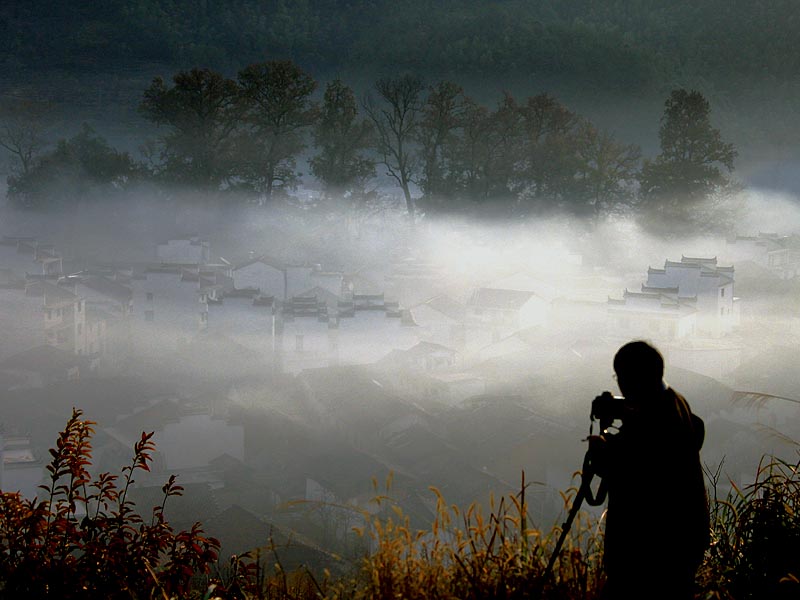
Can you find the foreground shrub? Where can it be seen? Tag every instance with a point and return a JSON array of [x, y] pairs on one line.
[[472, 556], [85, 538], [755, 550]]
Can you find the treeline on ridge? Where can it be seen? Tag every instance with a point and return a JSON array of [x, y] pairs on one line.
[[447, 153]]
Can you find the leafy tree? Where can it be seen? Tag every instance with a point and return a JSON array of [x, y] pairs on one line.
[[341, 139], [606, 173], [502, 153], [549, 149], [201, 111], [470, 152], [396, 114], [278, 106], [77, 168], [442, 118], [690, 166]]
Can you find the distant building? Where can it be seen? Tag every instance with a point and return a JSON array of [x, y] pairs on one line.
[[280, 281], [64, 316], [187, 251], [51, 263], [188, 436], [424, 357], [262, 274], [652, 314], [458, 387], [102, 292], [780, 254], [166, 311], [703, 281], [30, 258], [441, 319], [690, 308], [21, 470], [505, 311], [309, 334], [45, 365], [411, 280]]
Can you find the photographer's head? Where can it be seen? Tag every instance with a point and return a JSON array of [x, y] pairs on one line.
[[639, 368]]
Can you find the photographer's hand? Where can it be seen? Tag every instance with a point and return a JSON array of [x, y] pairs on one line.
[[598, 454]]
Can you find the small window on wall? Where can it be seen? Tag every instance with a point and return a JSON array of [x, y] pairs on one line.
[[149, 296], [722, 293]]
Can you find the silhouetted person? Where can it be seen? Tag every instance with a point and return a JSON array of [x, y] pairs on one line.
[[657, 524]]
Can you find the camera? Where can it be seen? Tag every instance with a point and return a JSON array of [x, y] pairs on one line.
[[608, 408]]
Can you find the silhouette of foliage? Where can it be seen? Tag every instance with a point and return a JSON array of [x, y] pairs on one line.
[[77, 168], [755, 550], [689, 168], [85, 539]]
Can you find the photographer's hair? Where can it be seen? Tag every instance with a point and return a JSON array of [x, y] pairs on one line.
[[640, 363]]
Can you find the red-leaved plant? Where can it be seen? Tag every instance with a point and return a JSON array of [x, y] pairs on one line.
[[86, 539]]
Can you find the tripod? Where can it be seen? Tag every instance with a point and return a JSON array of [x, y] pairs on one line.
[[584, 494]]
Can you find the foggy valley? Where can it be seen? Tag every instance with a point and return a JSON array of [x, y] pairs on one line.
[[284, 361], [345, 261]]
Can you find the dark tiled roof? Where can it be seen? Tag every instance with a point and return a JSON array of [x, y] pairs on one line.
[[52, 294], [501, 299], [659, 290], [425, 348], [107, 287], [152, 418], [44, 358], [196, 503], [448, 307], [699, 260], [260, 259]]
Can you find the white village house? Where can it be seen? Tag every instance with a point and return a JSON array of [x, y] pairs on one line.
[[270, 278], [690, 307], [652, 314], [441, 319], [692, 297], [779, 254], [703, 280]]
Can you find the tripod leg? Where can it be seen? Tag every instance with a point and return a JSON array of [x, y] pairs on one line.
[[576, 506]]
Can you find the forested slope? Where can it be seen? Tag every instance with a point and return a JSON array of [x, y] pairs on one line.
[[613, 43]]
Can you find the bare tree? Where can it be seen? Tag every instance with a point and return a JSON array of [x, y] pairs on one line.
[[396, 114], [22, 125]]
